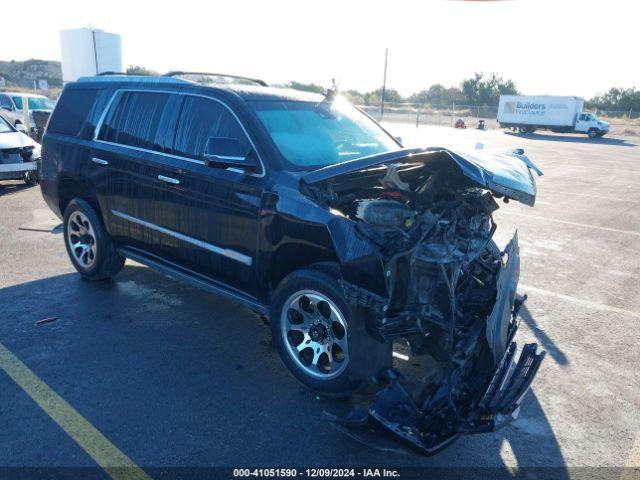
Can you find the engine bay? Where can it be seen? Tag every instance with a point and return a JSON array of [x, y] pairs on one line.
[[451, 299]]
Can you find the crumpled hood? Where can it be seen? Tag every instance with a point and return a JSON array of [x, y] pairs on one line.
[[506, 172], [15, 140]]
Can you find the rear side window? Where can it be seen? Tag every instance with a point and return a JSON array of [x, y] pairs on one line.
[[71, 112], [201, 119], [136, 119]]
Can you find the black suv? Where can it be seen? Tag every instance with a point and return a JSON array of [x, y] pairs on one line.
[[305, 209]]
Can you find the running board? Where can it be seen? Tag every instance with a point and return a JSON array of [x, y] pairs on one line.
[[192, 278]]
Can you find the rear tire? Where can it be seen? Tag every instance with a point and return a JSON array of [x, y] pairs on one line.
[[90, 249], [309, 308]]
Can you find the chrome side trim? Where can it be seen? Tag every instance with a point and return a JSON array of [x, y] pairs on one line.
[[232, 254], [99, 161], [120, 91], [140, 149]]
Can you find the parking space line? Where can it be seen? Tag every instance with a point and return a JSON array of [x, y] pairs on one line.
[[115, 463], [631, 469], [589, 195], [580, 301], [575, 224], [634, 454]]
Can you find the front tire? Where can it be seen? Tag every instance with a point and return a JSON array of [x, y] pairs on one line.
[[321, 340], [90, 249], [593, 133]]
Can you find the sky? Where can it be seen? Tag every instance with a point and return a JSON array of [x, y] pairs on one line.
[[558, 47]]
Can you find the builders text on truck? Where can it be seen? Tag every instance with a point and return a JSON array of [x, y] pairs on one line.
[[528, 113]]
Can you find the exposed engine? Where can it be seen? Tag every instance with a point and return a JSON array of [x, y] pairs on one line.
[[446, 299]]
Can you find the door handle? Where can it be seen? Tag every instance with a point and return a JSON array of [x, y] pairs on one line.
[[99, 161], [173, 181]]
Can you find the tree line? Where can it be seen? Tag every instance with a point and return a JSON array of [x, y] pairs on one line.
[[618, 99], [477, 90], [481, 89]]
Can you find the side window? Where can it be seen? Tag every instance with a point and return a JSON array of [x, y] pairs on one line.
[[135, 119], [71, 111], [5, 102], [18, 102], [201, 119], [583, 117]]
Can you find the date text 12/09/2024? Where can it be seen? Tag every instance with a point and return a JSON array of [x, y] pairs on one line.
[[316, 472]]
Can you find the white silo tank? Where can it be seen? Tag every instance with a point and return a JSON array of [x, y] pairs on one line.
[[88, 51]]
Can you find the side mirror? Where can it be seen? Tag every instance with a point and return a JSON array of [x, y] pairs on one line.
[[399, 140], [8, 108], [21, 128], [223, 152]]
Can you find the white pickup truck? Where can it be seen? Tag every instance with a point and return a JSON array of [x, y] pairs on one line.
[[528, 113]]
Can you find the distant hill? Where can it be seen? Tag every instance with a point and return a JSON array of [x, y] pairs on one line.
[[22, 74]]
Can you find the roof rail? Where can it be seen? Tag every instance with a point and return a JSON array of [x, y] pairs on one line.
[[221, 75], [102, 74]]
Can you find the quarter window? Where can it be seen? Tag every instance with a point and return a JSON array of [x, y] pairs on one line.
[[5, 102], [72, 111], [201, 119], [137, 120]]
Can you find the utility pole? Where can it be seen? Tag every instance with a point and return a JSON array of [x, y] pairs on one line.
[[384, 83]]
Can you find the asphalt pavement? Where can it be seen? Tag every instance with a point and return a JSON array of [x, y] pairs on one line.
[[172, 376]]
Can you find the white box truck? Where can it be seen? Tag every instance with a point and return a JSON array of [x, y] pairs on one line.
[[528, 113]]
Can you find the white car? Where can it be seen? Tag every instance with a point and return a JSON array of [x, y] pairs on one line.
[[19, 155], [11, 106]]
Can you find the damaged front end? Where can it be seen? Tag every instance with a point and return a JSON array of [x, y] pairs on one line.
[[451, 292]]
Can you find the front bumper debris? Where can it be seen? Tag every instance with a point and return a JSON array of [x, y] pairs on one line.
[[483, 400], [11, 171], [378, 427]]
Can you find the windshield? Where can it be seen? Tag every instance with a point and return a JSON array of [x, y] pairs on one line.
[[4, 126], [35, 103], [312, 135]]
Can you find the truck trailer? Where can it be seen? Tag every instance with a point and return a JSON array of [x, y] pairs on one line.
[[528, 113]]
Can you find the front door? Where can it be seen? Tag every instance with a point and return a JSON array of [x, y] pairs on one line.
[[584, 122], [215, 211]]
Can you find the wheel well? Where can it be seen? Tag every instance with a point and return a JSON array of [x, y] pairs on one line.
[[69, 189], [290, 258]]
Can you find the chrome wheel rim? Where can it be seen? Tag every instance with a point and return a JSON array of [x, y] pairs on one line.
[[314, 331], [81, 239]]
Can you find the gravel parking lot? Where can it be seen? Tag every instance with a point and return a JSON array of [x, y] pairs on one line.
[[175, 377]]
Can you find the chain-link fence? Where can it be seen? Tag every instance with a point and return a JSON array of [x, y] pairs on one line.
[[624, 123]]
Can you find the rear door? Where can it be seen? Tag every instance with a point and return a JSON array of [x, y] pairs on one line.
[[128, 160]]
